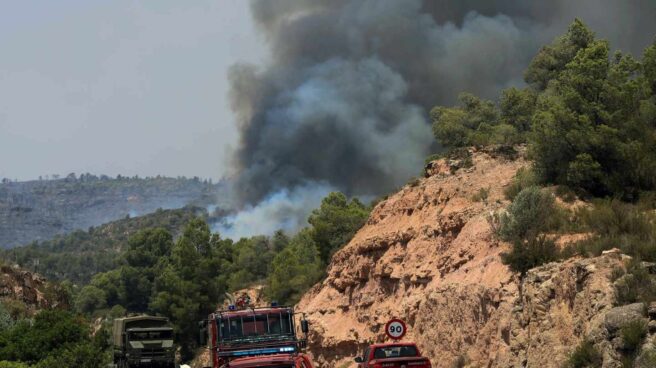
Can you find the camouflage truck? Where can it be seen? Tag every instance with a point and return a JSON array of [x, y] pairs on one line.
[[143, 341]]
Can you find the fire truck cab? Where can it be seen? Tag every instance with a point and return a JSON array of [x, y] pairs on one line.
[[255, 337]]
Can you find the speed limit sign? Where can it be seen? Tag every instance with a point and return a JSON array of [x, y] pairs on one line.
[[395, 329]]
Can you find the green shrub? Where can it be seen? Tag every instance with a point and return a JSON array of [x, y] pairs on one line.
[[633, 334], [433, 157], [481, 195], [6, 321], [505, 151], [54, 339], [530, 213], [89, 299], [117, 311], [6, 364], [616, 273], [584, 356], [523, 179], [534, 252], [565, 193], [619, 225], [636, 286], [86, 355], [16, 308], [612, 218], [647, 358]]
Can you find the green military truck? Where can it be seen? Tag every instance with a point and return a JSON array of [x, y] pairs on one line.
[[143, 341]]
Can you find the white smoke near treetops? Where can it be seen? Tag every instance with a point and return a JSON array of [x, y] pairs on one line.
[[345, 97], [285, 210]]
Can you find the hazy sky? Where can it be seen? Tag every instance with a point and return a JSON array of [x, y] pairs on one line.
[[129, 87]]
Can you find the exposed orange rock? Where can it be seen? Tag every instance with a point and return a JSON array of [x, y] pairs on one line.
[[428, 254], [30, 289]]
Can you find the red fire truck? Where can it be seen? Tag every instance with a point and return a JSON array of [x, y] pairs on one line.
[[255, 337]]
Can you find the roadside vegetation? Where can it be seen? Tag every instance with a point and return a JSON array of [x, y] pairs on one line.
[[51, 338], [184, 279]]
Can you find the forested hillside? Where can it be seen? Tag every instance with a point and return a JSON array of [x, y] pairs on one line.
[[83, 253], [185, 277], [41, 209]]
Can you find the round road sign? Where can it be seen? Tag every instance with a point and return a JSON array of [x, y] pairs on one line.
[[395, 329]]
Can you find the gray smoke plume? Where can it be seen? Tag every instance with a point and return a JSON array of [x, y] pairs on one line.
[[345, 97]]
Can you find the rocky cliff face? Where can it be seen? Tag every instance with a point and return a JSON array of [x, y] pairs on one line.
[[428, 254], [30, 289]]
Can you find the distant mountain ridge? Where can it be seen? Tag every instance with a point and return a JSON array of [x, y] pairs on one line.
[[41, 209]]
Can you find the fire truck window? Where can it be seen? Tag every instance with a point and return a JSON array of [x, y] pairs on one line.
[[286, 324], [274, 324], [261, 327], [253, 326], [231, 328]]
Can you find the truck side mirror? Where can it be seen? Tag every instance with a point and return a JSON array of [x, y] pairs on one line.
[[358, 360], [305, 326]]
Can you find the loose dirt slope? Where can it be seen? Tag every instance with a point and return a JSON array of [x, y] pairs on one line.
[[428, 254]]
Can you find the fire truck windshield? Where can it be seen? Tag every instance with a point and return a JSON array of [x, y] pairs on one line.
[[256, 325]]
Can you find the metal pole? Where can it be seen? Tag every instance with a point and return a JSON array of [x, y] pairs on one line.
[[267, 326]]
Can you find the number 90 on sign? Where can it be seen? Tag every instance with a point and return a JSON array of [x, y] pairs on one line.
[[395, 329]]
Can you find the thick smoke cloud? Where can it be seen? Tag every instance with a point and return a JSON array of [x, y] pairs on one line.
[[345, 97]]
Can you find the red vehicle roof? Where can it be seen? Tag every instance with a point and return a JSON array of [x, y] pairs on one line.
[[250, 312], [262, 361]]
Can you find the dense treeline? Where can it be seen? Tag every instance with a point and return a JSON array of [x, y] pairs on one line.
[[78, 256], [589, 118], [185, 279]]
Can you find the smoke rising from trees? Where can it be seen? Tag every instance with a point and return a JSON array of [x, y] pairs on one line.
[[344, 99]]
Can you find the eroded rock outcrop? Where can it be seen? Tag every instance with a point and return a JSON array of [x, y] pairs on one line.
[[30, 289], [428, 254]]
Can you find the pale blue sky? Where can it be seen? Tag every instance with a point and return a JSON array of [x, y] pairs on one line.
[[129, 87]]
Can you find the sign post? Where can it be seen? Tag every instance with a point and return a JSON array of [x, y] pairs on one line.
[[395, 329]]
